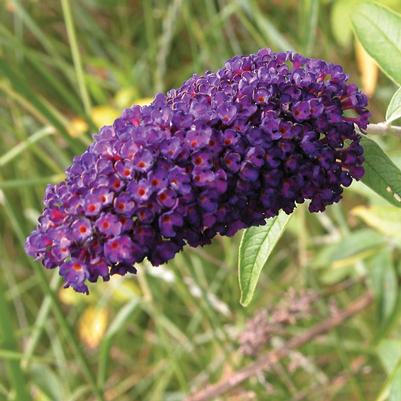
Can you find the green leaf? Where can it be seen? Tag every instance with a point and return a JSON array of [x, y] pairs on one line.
[[256, 245], [22, 87], [383, 280], [105, 346], [76, 57], [395, 389], [354, 243], [379, 30], [57, 309], [385, 219], [349, 246], [338, 260], [8, 341], [22, 146], [309, 15], [381, 174], [49, 383], [389, 353], [264, 24], [394, 108], [341, 20]]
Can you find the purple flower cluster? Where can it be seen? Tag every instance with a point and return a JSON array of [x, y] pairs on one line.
[[225, 151]]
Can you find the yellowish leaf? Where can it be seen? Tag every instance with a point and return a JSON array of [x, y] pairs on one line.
[[385, 219], [70, 297], [10, 6], [124, 289], [77, 126], [128, 96], [104, 115], [352, 260], [368, 69], [143, 101], [101, 116], [125, 97], [92, 325]]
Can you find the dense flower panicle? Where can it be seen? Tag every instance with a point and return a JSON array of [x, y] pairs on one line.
[[225, 151]]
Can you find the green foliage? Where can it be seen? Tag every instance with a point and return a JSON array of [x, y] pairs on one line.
[[256, 245], [8, 342], [341, 20], [341, 17], [389, 353], [309, 18], [381, 174], [116, 325], [379, 30], [384, 284], [394, 108]]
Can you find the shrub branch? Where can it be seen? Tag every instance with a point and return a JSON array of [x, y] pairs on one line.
[[272, 357]]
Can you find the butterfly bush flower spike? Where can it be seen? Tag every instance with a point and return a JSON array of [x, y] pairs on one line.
[[225, 151]]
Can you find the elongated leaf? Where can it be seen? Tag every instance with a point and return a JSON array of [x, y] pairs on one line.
[[394, 108], [265, 26], [388, 351], [381, 174], [18, 149], [379, 30], [383, 280], [385, 219], [48, 382], [54, 117], [309, 13], [105, 345], [395, 389], [76, 57], [257, 244], [63, 322], [9, 343], [352, 244], [31, 182], [340, 18]]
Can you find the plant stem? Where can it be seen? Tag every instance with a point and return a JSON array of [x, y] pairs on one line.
[[10, 344], [76, 57], [272, 357], [57, 310], [383, 128]]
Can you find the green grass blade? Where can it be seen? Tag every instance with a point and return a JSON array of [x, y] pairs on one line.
[[50, 46], [39, 325], [22, 146], [59, 313], [42, 64], [21, 87], [272, 37], [105, 346], [309, 19], [72, 38], [9, 344], [169, 26], [18, 183]]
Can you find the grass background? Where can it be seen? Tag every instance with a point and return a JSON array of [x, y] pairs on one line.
[[67, 68]]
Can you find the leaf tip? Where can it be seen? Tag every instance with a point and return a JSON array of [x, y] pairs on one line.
[[244, 301]]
